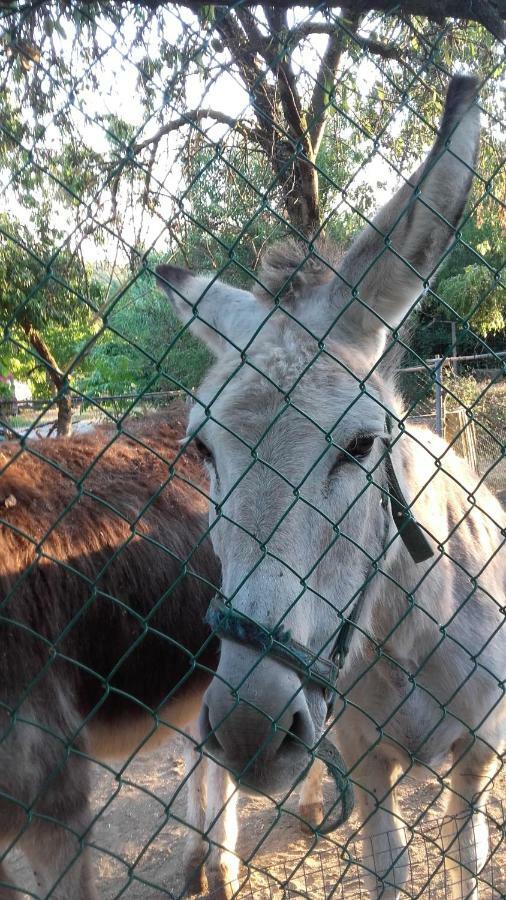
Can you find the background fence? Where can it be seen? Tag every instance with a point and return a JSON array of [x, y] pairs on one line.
[[198, 134], [464, 403], [461, 398]]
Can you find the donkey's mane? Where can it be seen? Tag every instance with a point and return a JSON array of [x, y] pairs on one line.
[[290, 266], [291, 269]]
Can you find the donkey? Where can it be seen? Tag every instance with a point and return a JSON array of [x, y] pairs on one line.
[[349, 533], [105, 578]]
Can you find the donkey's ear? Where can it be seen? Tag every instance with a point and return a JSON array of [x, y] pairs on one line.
[[392, 260], [221, 315]]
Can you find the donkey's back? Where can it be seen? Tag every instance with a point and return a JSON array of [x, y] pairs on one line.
[[105, 577]]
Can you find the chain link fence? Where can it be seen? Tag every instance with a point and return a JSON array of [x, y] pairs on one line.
[[251, 562], [465, 404]]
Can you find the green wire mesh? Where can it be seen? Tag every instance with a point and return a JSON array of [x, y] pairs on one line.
[[117, 152]]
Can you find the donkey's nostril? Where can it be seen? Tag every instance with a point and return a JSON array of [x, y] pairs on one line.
[[207, 732], [300, 732], [250, 728], [300, 727]]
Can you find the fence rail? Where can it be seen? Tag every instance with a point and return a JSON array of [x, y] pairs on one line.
[[435, 407], [96, 399], [451, 360]]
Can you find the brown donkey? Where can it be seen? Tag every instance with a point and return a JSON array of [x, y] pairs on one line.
[[102, 601]]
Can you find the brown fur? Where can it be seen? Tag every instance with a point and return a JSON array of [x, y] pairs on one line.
[[101, 616]]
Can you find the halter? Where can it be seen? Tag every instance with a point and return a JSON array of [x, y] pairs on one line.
[[234, 625]]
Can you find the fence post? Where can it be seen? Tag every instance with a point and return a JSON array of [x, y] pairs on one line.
[[438, 372], [455, 365]]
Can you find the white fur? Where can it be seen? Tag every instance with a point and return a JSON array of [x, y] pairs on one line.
[[223, 316]]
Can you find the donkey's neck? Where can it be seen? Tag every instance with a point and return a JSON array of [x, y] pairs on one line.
[[412, 599], [402, 583]]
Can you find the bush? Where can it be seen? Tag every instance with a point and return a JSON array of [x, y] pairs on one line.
[[142, 348]]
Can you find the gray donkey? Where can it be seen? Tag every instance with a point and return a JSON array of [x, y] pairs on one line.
[[363, 542]]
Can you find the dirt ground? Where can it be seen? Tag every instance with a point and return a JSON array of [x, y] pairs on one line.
[[140, 836]]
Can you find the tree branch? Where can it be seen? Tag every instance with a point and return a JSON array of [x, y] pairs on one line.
[[64, 402], [325, 81], [326, 78], [378, 49], [255, 36], [273, 53], [283, 130], [282, 67], [243, 55], [191, 118], [489, 13], [306, 29]]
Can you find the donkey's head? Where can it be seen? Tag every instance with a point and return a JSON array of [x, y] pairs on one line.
[[291, 422]]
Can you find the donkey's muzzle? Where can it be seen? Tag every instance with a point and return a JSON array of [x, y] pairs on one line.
[[256, 721]]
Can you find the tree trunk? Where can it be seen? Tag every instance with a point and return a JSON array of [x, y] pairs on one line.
[[64, 422], [298, 180], [60, 383]]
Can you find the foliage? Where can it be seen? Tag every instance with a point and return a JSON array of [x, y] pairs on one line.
[[6, 382], [469, 286], [141, 347], [474, 294], [484, 396], [95, 174], [463, 390], [470, 282], [44, 289]]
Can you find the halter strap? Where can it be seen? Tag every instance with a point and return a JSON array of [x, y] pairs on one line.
[[411, 535], [409, 530], [234, 625]]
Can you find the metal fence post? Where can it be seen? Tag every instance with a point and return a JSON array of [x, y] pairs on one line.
[[455, 365], [438, 372]]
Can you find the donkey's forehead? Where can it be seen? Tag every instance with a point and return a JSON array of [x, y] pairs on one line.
[[324, 388]]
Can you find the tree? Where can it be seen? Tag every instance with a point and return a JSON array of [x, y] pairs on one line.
[[324, 93], [290, 112], [141, 349], [37, 298], [289, 108]]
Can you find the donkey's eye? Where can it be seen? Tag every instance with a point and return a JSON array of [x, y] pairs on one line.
[[359, 449], [360, 446], [203, 450]]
